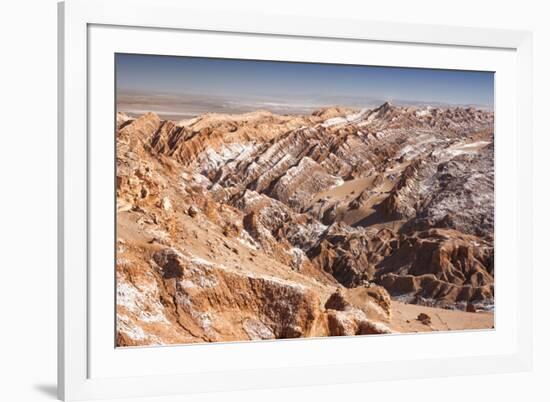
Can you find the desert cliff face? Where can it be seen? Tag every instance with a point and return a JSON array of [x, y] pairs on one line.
[[258, 226]]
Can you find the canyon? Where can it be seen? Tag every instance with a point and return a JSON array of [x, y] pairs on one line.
[[258, 226]]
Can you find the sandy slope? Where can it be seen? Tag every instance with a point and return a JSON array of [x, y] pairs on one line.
[[404, 319]]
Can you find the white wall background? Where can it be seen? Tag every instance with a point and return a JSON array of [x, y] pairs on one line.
[[28, 198]]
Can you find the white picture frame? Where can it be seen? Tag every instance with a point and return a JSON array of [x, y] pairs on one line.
[[90, 367]]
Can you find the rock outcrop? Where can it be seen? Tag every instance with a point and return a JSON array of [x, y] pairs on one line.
[[443, 265]]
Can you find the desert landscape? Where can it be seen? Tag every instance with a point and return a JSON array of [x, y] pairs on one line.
[[339, 222]]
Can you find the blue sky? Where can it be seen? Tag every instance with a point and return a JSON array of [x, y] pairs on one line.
[[299, 82]]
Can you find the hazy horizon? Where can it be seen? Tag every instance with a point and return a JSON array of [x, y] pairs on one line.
[[183, 87]]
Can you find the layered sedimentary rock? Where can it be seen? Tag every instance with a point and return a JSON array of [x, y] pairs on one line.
[[258, 226]]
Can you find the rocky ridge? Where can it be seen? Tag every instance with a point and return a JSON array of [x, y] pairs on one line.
[[258, 226]]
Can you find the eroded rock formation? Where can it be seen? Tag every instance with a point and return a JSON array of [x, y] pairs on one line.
[[258, 226]]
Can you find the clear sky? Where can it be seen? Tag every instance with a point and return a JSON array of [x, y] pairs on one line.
[[299, 82]]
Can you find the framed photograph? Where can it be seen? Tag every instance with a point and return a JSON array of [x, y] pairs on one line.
[[255, 201]]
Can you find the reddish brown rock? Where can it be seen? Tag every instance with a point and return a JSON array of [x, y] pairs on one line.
[[424, 318]]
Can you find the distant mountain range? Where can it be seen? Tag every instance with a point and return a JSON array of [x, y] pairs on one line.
[[174, 106]]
